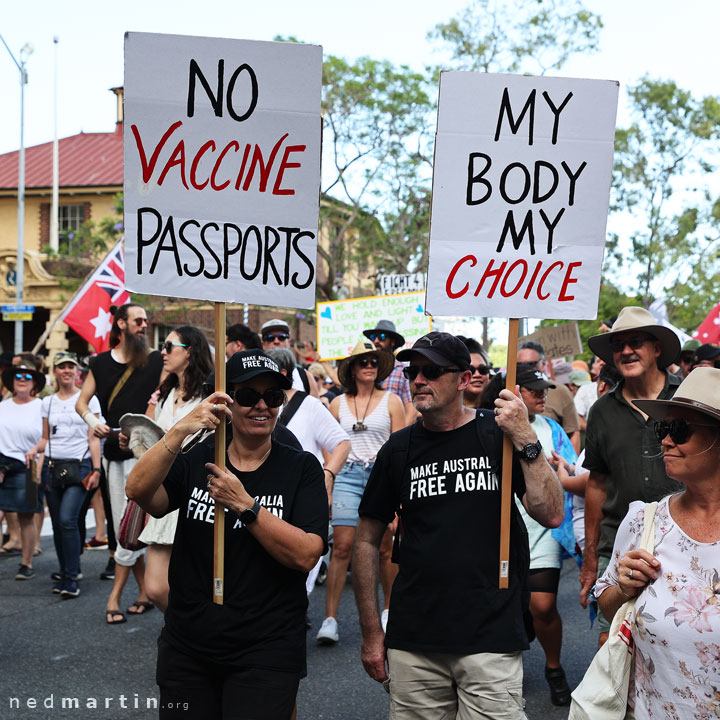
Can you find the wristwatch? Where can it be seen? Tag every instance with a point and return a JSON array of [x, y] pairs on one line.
[[530, 452], [249, 516]]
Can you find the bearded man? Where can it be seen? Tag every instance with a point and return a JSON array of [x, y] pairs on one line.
[[123, 379]]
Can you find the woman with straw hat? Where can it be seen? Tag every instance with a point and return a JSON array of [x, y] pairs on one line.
[[676, 620], [368, 414]]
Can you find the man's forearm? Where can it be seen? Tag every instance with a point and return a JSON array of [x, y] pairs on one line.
[[365, 573], [543, 493], [595, 496]]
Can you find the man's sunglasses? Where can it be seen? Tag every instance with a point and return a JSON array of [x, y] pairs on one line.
[[482, 369], [140, 321], [23, 376], [635, 343], [249, 397], [365, 361], [430, 372], [678, 429], [167, 346], [271, 337], [378, 336]]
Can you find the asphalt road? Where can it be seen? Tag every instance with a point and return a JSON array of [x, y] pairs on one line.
[[52, 649]]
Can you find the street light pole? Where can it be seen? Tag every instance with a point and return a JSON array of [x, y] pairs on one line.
[[25, 51]]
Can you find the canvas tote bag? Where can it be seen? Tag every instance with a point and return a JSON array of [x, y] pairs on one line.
[[603, 692]]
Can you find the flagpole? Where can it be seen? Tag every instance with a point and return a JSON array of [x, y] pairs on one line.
[[70, 303]]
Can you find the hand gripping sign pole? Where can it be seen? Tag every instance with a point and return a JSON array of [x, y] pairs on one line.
[[219, 523], [506, 482]]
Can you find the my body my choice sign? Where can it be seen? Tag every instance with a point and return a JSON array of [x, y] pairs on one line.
[[521, 185], [222, 168]]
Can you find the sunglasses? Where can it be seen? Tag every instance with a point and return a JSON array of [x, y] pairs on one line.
[[364, 362], [378, 336], [167, 346], [482, 369], [635, 343], [23, 376], [140, 321], [678, 429], [271, 337], [430, 372], [249, 397]]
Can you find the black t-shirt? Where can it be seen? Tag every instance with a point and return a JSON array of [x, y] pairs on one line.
[[132, 398], [261, 623], [448, 486]]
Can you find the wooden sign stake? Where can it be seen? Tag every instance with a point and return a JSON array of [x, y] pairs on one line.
[[506, 482], [219, 524]]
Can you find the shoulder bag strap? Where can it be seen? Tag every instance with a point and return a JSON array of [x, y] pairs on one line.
[[119, 385], [648, 536], [292, 407]]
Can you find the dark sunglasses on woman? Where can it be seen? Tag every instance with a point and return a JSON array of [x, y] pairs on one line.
[[678, 429], [430, 372], [364, 362], [167, 346], [482, 369], [249, 397]]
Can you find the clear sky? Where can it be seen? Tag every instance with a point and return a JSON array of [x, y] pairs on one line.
[[661, 37]]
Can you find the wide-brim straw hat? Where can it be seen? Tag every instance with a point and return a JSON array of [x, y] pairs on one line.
[[386, 361], [8, 376], [700, 391], [641, 320]]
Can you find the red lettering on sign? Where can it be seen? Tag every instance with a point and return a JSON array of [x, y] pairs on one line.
[[148, 168], [448, 285], [210, 144], [567, 281], [284, 164], [544, 278], [503, 291], [489, 272]]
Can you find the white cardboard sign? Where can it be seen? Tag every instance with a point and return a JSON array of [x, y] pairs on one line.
[[521, 186], [340, 323], [222, 168], [397, 283]]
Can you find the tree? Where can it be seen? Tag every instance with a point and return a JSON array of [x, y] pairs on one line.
[[662, 161], [518, 36]]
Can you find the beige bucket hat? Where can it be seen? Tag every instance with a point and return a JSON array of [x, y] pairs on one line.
[[640, 319], [700, 391]]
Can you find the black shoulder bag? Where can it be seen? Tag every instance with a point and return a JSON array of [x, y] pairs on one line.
[[63, 473]]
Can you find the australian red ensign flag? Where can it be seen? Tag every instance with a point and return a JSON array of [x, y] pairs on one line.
[[88, 314], [709, 330]]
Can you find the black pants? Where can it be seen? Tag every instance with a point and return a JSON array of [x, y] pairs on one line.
[[195, 689]]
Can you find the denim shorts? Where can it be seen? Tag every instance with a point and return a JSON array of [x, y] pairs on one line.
[[348, 491]]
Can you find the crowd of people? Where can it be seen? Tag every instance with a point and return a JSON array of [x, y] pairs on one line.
[[393, 457]]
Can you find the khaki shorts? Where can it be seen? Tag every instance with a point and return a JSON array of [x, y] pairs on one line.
[[445, 686]]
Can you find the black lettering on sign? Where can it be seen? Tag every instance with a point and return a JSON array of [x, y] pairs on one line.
[[509, 227], [216, 96], [506, 109], [476, 178]]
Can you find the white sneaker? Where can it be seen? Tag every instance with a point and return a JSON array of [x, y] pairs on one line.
[[328, 632], [384, 619]]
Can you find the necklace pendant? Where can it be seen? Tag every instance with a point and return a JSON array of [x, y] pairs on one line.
[[359, 426]]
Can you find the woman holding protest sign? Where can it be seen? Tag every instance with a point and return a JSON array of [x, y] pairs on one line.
[[243, 658]]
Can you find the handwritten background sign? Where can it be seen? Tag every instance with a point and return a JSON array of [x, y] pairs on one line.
[[340, 323], [222, 168], [520, 195], [558, 341], [397, 283]]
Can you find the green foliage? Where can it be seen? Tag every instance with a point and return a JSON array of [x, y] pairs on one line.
[[518, 35], [661, 162]]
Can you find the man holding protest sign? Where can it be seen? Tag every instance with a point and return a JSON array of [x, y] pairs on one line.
[[441, 477]]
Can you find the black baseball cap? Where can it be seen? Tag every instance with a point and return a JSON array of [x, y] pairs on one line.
[[442, 348], [705, 352], [532, 379], [247, 364]]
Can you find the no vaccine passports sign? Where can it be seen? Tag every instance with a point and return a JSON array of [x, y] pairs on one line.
[[222, 168], [521, 187]]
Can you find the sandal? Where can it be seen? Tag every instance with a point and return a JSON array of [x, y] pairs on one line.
[[110, 617], [9, 551], [142, 607]]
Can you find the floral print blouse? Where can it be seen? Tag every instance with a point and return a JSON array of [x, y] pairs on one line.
[[676, 624]]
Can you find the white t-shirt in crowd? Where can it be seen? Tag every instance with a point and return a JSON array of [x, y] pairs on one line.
[[579, 505], [20, 427], [585, 397], [68, 432], [315, 428]]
